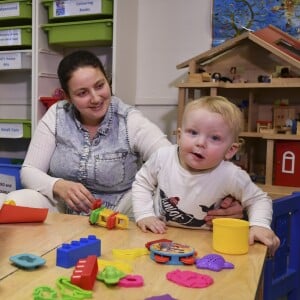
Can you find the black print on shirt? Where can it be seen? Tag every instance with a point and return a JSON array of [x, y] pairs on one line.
[[172, 213]]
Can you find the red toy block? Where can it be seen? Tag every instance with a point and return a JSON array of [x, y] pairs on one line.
[[111, 221], [85, 272], [97, 203]]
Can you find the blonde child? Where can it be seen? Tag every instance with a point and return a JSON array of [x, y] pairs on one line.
[[180, 183]]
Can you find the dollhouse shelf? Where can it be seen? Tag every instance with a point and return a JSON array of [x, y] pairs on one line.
[[251, 55], [252, 85], [268, 136]]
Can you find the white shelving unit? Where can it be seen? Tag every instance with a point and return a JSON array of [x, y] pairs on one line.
[[22, 88]]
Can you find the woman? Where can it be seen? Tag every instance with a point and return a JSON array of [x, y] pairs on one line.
[[88, 146]]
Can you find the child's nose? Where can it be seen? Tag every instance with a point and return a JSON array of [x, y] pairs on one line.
[[201, 140]]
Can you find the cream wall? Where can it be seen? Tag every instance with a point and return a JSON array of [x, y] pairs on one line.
[[168, 33]]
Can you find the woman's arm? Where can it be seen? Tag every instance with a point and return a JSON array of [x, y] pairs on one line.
[[36, 164], [144, 136]]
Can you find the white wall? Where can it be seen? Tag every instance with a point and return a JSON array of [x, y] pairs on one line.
[[168, 33]]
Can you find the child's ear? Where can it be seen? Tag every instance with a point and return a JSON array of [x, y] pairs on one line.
[[179, 130], [233, 149]]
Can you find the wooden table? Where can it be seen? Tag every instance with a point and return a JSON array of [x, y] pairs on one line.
[[43, 239]]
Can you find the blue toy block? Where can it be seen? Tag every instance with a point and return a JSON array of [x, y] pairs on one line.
[[68, 254]]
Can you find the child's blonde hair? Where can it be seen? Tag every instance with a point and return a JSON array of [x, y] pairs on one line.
[[231, 114]]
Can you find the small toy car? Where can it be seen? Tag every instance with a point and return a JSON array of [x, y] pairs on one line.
[[108, 218]]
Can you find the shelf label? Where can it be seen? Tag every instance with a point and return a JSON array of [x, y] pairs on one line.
[[11, 130], [7, 183], [76, 7], [10, 61], [10, 37], [9, 9]]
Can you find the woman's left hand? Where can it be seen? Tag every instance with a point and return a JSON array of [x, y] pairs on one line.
[[229, 208]]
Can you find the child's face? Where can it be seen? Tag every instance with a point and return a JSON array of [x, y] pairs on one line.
[[204, 140]]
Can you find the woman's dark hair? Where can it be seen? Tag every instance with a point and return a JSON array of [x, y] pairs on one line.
[[72, 62]]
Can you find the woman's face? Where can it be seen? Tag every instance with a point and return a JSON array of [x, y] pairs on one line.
[[90, 93]]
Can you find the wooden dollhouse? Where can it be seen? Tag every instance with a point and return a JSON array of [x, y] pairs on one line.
[[260, 72]]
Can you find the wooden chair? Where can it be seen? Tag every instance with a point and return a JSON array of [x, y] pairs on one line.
[[282, 273]]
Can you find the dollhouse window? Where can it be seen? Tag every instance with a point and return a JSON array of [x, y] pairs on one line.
[[288, 162]]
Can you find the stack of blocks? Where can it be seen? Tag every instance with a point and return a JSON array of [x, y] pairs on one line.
[[68, 254]]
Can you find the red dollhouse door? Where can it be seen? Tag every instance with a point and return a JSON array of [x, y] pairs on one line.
[[287, 163]]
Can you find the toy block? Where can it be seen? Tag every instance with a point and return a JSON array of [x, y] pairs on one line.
[[68, 254], [85, 272], [108, 218]]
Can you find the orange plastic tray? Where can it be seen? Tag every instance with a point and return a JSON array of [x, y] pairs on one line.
[[21, 214]]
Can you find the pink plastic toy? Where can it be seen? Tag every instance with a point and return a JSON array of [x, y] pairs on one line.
[[131, 281], [190, 279]]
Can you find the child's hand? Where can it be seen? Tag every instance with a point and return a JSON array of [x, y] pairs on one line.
[[153, 224], [265, 236]]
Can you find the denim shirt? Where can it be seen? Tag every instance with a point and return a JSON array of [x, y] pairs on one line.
[[105, 165]]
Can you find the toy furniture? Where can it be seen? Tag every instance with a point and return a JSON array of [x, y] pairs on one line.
[[282, 273], [287, 163], [252, 54]]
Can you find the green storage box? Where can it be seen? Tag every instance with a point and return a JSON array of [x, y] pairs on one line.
[[12, 36], [71, 10], [15, 128], [84, 33], [15, 11]]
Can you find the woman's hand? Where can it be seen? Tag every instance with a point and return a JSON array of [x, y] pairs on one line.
[[74, 194], [229, 208]]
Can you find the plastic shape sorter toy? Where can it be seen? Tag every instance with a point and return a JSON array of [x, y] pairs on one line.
[[68, 254], [85, 272], [171, 253]]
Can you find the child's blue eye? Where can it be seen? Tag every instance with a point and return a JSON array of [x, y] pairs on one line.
[[192, 132], [215, 138]]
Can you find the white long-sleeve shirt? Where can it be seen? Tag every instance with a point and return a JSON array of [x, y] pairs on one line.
[[163, 188], [144, 138]]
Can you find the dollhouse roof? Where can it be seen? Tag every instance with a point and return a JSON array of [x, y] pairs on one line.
[[272, 39]]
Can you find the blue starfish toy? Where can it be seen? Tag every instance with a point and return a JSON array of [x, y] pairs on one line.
[[213, 262]]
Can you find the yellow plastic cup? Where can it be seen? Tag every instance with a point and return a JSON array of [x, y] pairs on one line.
[[230, 236]]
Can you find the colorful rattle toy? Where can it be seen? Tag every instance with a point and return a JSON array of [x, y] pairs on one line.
[[172, 253]]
